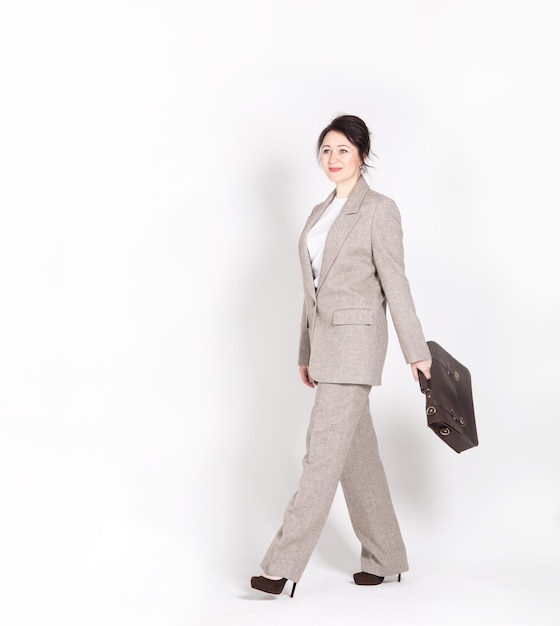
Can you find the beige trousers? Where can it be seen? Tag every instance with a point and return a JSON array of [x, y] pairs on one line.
[[341, 447]]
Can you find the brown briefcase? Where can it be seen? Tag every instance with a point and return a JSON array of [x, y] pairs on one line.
[[449, 401]]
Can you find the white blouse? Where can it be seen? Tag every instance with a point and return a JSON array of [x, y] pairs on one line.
[[317, 236]]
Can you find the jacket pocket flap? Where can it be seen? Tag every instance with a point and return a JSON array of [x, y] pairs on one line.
[[352, 316]]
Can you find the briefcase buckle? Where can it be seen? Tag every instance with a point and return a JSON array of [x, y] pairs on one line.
[[457, 418]]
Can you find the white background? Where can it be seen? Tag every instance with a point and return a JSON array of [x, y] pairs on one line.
[[157, 166]]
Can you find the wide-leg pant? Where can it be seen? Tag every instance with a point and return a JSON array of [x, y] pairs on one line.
[[341, 447]]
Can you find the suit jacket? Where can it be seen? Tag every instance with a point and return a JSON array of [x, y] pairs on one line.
[[344, 322]]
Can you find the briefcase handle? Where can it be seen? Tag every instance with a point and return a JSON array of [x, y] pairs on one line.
[[424, 383]]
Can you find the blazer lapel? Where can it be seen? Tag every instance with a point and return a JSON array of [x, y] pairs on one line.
[[341, 227]]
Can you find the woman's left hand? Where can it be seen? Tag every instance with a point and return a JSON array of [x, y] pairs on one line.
[[422, 366]]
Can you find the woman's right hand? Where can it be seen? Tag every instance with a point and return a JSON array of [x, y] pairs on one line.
[[304, 375]]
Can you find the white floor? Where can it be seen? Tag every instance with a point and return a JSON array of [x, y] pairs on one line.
[[487, 596], [156, 581]]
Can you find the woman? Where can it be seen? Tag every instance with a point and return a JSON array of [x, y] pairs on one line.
[[353, 266]]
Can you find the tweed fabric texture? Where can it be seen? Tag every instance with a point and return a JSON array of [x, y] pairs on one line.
[[344, 333], [341, 446]]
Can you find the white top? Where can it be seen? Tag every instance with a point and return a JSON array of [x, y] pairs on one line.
[[317, 236]]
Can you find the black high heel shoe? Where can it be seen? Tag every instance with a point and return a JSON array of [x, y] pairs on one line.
[[363, 578], [268, 585]]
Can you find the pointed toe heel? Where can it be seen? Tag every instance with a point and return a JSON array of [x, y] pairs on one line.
[[268, 585], [363, 578]]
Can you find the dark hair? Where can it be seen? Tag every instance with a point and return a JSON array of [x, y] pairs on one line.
[[354, 129]]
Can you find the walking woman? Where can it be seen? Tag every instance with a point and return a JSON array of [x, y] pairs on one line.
[[352, 263]]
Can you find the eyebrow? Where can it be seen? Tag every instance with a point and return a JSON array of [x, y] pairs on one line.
[[340, 145]]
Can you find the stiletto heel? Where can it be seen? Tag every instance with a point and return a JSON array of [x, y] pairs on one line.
[[363, 578], [269, 585]]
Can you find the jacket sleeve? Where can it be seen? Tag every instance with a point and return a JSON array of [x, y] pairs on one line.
[[388, 257], [304, 343]]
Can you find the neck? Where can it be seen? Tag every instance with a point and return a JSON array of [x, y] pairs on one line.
[[344, 189]]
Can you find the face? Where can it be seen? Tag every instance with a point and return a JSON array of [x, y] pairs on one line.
[[340, 159]]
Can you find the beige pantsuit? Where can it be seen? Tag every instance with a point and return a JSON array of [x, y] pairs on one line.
[[343, 342]]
